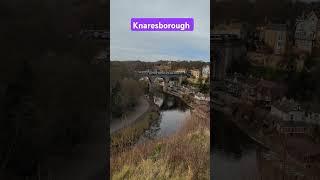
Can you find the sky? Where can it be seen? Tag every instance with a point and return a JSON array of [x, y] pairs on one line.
[[291, 0], [153, 46]]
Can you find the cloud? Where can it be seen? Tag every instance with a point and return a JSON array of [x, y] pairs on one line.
[[153, 46]]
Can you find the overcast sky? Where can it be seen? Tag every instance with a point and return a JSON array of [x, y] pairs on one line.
[[153, 46]]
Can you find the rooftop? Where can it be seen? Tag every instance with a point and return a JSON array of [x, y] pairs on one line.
[[316, 12], [293, 124], [287, 105], [277, 27]]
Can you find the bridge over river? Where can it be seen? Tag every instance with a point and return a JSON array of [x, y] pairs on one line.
[[166, 76]]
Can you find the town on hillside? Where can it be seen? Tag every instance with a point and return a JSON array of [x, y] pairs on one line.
[[160, 103], [194, 84], [265, 77]]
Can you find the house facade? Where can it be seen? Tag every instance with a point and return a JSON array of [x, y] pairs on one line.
[[276, 37], [294, 129], [289, 110], [307, 32], [206, 71], [181, 70], [195, 73]]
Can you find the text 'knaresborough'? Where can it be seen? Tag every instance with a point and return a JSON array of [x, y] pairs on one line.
[[162, 24]]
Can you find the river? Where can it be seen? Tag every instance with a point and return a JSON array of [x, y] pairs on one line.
[[234, 154], [173, 113]]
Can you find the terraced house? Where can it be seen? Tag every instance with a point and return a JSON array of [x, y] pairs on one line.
[[276, 37], [289, 110], [307, 32]]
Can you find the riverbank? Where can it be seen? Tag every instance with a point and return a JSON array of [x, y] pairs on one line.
[[129, 134], [184, 155], [233, 153], [245, 118], [130, 117]]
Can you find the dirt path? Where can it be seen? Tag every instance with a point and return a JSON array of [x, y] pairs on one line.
[[130, 117]]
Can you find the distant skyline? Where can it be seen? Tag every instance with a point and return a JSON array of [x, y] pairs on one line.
[[126, 45]]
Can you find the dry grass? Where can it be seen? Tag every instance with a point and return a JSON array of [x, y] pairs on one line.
[[185, 155], [126, 137]]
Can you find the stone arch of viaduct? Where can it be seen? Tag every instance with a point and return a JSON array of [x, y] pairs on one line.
[[166, 76]]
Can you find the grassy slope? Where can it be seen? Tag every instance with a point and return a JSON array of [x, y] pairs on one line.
[[185, 155], [128, 136]]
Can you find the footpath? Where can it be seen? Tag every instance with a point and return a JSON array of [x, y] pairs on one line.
[[130, 117]]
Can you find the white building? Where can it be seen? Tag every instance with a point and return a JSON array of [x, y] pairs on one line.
[[206, 71], [307, 34], [144, 79], [289, 110], [201, 97]]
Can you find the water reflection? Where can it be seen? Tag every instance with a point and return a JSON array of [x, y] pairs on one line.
[[234, 153], [235, 156], [173, 112]]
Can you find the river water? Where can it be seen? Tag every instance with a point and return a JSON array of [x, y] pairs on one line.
[[234, 154], [173, 113]]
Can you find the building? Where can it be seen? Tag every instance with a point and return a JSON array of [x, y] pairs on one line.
[[201, 97], [289, 110], [163, 67], [276, 37], [260, 29], [181, 70], [293, 128], [233, 87], [206, 71], [195, 73], [307, 32]]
